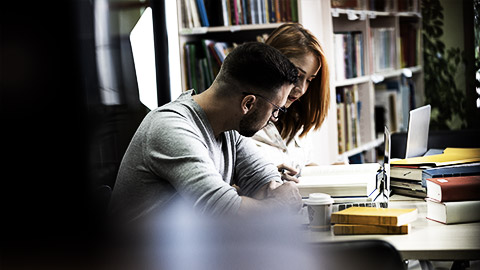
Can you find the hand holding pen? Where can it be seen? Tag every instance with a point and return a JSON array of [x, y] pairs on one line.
[[289, 173]]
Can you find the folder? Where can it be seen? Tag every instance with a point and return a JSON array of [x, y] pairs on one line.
[[451, 156]]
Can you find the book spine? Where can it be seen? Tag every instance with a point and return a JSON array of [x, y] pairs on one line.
[[356, 114], [235, 13], [266, 7], [409, 192], [453, 212], [187, 14], [203, 13], [192, 66], [252, 12], [366, 220], [345, 229], [341, 127], [278, 15], [455, 189], [426, 174], [294, 9], [201, 69], [240, 12], [187, 66], [358, 46], [348, 56], [209, 65], [271, 9], [288, 10], [245, 11], [260, 11], [348, 117], [225, 12], [339, 57], [414, 174], [195, 13]]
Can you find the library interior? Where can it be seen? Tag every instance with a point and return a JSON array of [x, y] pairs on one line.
[[383, 154]]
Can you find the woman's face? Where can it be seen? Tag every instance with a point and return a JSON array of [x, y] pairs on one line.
[[308, 66]]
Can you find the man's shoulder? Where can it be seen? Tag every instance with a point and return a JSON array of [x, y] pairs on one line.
[[181, 108]]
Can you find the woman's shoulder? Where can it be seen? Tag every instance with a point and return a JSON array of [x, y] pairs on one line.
[[269, 135]]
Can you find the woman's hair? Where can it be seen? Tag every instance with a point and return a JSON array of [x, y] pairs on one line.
[[310, 110]]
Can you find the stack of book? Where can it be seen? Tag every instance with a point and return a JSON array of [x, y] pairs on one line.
[[453, 199], [369, 220], [407, 180], [408, 176]]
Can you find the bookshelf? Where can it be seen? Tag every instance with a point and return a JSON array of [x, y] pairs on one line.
[[391, 81], [324, 21]]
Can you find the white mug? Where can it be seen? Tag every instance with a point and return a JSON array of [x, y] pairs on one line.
[[319, 207]]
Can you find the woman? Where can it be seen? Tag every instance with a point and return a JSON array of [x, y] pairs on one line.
[[307, 103]]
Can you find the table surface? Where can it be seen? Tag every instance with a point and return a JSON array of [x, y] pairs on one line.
[[427, 239]]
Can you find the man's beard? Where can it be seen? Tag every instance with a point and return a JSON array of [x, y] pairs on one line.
[[248, 124]]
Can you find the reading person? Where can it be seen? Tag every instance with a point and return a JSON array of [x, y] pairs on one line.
[[307, 102], [193, 149]]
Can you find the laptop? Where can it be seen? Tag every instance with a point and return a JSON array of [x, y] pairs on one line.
[[417, 134]]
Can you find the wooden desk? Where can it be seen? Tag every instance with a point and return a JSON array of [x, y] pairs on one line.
[[427, 240]]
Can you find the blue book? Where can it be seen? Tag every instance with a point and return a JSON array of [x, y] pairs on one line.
[[203, 13], [245, 8], [450, 171]]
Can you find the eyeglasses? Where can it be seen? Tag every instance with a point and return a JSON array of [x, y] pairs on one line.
[[278, 109]]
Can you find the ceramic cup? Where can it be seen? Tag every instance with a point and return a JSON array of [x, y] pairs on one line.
[[319, 207]]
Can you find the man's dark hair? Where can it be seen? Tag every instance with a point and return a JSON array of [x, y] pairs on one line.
[[255, 65]]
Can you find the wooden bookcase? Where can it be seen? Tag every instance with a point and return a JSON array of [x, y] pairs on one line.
[[324, 21]]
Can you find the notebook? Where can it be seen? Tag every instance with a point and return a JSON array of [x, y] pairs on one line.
[[417, 134]]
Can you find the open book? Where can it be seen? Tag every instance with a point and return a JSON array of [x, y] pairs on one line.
[[339, 180]]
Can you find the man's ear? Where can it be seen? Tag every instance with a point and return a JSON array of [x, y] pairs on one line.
[[247, 103]]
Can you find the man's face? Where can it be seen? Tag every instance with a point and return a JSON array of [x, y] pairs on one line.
[[248, 124], [258, 117]]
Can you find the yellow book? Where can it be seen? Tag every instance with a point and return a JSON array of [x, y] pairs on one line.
[[375, 216], [348, 229], [450, 156], [267, 11]]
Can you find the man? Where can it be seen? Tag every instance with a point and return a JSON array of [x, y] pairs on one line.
[[193, 149]]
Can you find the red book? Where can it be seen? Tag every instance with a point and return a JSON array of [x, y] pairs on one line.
[[458, 188]]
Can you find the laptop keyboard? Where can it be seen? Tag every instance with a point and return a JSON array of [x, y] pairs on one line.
[[341, 206]]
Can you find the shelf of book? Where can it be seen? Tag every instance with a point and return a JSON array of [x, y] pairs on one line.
[[226, 29], [381, 76], [383, 69], [371, 14], [384, 6], [352, 81], [202, 24]]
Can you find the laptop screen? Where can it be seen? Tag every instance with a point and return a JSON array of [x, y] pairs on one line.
[[386, 160], [417, 136], [143, 50]]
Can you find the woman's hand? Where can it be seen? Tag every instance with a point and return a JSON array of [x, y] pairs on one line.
[[288, 173]]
